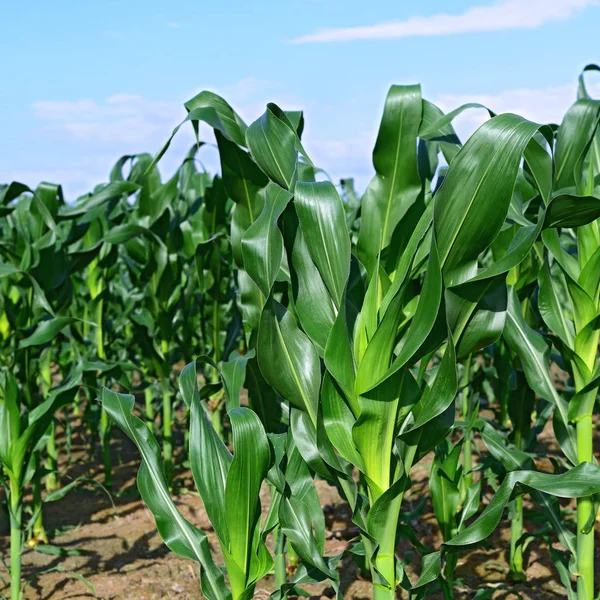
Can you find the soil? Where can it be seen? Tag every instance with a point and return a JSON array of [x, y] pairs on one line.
[[119, 552]]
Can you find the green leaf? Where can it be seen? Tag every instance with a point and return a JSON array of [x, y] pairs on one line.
[[178, 533], [574, 137], [296, 523], [214, 111], [534, 353], [473, 201], [287, 358], [101, 198], [233, 375], [338, 421], [262, 244], [229, 122], [570, 210], [10, 416], [248, 468], [552, 307], [321, 216], [583, 480], [312, 300], [396, 184], [209, 457], [273, 144], [444, 485], [46, 331]]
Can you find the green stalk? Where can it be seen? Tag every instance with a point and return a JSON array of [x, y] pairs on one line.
[[585, 508], [104, 420], [385, 560], [217, 419], [466, 415], [516, 531], [38, 531], [100, 329], [52, 482], [167, 418], [77, 405], [186, 435], [85, 320], [588, 239], [503, 415], [149, 407], [106, 458], [448, 580], [217, 414], [280, 562], [167, 430], [16, 541], [516, 524], [2, 516], [293, 558]]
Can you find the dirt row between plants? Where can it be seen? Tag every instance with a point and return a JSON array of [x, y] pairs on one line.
[[118, 551]]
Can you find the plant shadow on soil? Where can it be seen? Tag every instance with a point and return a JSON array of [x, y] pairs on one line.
[[121, 554]]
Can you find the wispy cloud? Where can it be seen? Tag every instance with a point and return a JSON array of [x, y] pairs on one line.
[[541, 105], [502, 15], [124, 119], [173, 25], [123, 123], [338, 137]]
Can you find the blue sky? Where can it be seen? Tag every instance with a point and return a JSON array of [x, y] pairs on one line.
[[85, 82]]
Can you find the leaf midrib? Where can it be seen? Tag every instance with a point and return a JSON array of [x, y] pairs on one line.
[[293, 369]]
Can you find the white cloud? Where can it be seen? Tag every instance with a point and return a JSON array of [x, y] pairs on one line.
[[121, 118], [124, 123], [541, 105], [125, 120], [339, 136], [501, 15], [174, 25], [76, 178]]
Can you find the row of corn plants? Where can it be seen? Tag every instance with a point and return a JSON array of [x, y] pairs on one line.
[[77, 313], [357, 339], [367, 333]]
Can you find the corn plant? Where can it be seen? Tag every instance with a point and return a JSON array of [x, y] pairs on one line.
[[450, 509], [98, 230], [21, 439], [229, 487], [568, 300], [33, 294], [342, 358], [567, 182], [517, 399], [347, 319]]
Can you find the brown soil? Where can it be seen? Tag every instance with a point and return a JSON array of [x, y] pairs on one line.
[[123, 557]]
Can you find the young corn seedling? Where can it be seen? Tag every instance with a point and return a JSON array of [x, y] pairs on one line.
[[517, 398], [183, 219], [228, 485], [36, 266], [450, 510], [21, 438]]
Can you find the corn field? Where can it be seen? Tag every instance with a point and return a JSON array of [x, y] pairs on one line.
[[428, 353]]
